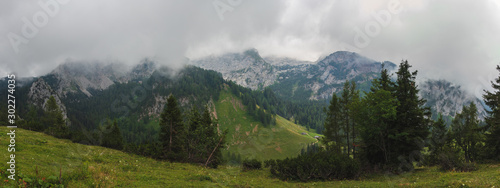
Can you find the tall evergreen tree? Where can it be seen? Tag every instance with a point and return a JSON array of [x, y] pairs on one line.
[[466, 132], [377, 119], [112, 136], [412, 118], [354, 106], [195, 137], [340, 127], [492, 99], [55, 120], [333, 137], [345, 101], [172, 130], [438, 140]]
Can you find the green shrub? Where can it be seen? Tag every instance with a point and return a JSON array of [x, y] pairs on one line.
[[323, 165], [251, 164], [451, 161], [269, 163]]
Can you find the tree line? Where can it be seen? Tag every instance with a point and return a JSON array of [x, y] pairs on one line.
[[390, 129], [195, 140]]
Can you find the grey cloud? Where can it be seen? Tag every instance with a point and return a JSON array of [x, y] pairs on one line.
[[454, 40]]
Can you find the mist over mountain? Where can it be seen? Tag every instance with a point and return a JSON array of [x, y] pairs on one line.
[[303, 80]]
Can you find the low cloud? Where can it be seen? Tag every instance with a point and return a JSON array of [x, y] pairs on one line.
[[453, 40]]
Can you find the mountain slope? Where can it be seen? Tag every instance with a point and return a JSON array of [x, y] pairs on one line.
[[137, 97], [292, 79], [304, 81], [447, 98], [321, 80], [247, 69], [94, 166], [251, 139]]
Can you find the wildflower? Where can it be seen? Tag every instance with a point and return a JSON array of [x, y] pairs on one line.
[[43, 179], [6, 180]]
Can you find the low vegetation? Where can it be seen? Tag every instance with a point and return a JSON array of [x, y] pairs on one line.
[[94, 166]]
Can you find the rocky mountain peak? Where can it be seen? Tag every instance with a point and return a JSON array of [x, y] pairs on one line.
[[40, 92]]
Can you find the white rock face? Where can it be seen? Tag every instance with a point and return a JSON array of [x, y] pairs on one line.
[[40, 93], [448, 99], [247, 69], [72, 76]]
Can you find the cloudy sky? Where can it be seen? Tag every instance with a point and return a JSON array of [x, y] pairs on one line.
[[458, 40]]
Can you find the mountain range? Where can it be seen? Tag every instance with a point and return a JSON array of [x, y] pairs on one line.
[[293, 92], [304, 80]]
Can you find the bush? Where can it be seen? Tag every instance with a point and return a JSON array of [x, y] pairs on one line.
[[323, 165], [450, 161], [251, 164]]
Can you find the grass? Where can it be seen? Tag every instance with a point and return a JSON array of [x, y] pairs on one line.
[[251, 139], [94, 166]]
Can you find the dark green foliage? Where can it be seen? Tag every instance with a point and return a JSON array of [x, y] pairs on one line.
[[340, 126], [492, 99], [172, 130], [412, 119], [3, 113], [451, 161], [391, 119], [333, 137], [251, 164], [376, 118], [32, 120], [466, 134], [195, 141], [322, 165], [111, 136], [438, 141], [153, 149], [233, 158], [305, 113], [54, 119]]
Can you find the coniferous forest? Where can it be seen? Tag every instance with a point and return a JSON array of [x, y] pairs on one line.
[[385, 129], [249, 93]]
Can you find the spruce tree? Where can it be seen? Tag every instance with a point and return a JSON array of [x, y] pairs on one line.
[[55, 120], [438, 140], [466, 132], [172, 130], [412, 119], [195, 137], [333, 138], [111, 136], [377, 119], [354, 106], [492, 99], [345, 100]]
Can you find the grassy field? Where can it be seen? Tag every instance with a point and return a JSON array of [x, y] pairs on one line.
[[252, 140], [93, 166]]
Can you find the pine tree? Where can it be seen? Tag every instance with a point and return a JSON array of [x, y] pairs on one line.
[[376, 118], [345, 100], [412, 118], [213, 143], [196, 138], [171, 133], [492, 99], [354, 106], [466, 132], [438, 140], [111, 136], [332, 138], [340, 127], [55, 120]]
